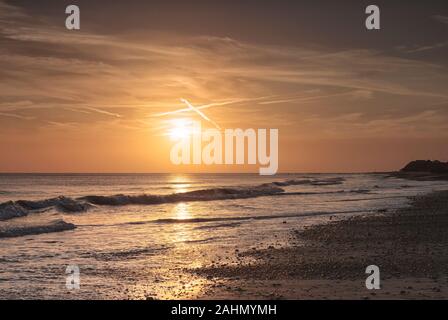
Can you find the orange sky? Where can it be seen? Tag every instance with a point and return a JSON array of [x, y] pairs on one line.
[[90, 100]]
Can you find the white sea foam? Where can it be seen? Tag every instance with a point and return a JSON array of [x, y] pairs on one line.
[[9, 231]]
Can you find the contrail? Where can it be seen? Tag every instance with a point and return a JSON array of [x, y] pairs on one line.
[[199, 112], [214, 104]]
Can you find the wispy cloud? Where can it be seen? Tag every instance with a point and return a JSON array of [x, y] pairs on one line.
[[116, 78], [16, 116], [116, 115], [441, 19], [430, 47], [352, 93]]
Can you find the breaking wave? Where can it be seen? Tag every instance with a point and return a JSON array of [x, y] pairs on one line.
[[260, 217], [25, 230], [198, 195], [313, 182], [9, 210], [20, 208]]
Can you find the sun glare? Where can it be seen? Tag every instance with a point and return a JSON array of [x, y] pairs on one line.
[[181, 128]]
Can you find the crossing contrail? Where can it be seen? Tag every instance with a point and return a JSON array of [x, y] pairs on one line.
[[216, 104], [199, 112]]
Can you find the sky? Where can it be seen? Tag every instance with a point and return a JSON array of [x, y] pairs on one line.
[[101, 99]]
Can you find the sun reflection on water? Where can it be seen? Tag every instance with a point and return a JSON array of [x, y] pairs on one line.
[[180, 183], [181, 231], [181, 211]]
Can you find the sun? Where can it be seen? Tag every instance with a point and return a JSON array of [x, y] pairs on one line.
[[181, 129]]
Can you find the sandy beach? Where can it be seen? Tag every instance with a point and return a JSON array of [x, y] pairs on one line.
[[409, 245]]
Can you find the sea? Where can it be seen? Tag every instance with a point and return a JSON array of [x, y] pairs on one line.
[[141, 236]]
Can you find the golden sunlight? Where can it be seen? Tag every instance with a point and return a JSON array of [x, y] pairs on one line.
[[180, 183], [181, 129]]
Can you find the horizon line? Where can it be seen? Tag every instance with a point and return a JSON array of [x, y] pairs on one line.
[[253, 173]]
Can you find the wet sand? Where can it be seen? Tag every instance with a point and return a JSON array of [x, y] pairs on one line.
[[410, 246]]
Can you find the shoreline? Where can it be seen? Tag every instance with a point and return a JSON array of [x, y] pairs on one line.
[[328, 261], [419, 175]]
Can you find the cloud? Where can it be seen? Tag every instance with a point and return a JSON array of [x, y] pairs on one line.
[[355, 94], [441, 19], [116, 115], [16, 116], [430, 47], [84, 77]]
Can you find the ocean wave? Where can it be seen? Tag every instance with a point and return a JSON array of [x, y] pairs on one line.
[[128, 254], [20, 208], [219, 225], [313, 182], [368, 199], [24, 230], [62, 203], [266, 189], [197, 195], [300, 193], [206, 239], [10, 210], [260, 217]]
